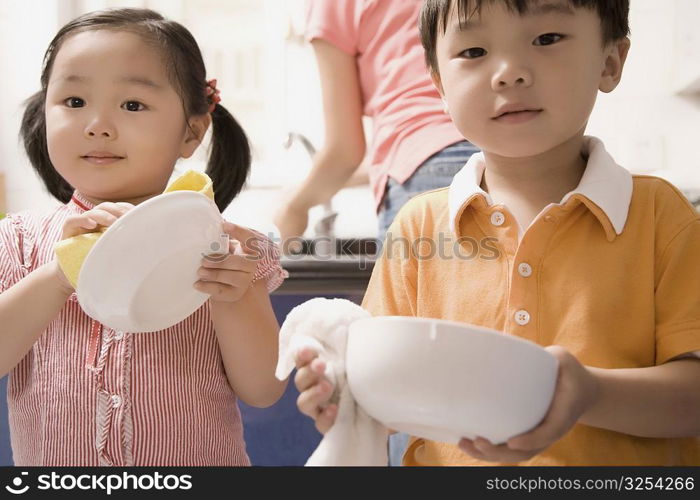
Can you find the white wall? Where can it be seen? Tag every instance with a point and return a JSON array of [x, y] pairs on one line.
[[646, 123], [26, 28]]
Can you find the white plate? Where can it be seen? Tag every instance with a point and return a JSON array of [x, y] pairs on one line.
[[139, 276]]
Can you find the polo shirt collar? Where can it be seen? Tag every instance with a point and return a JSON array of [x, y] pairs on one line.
[[605, 188]]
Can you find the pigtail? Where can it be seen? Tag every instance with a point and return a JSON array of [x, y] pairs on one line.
[[229, 157], [33, 134]]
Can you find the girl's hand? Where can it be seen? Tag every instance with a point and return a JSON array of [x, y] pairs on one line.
[[227, 277], [315, 389], [576, 392], [103, 215]]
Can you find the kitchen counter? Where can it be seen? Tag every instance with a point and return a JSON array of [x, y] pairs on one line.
[[309, 275], [346, 271]]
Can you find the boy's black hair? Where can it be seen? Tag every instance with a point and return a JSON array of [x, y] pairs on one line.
[[613, 14], [229, 158]]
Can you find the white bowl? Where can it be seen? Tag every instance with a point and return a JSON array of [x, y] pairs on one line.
[[443, 380], [139, 276]]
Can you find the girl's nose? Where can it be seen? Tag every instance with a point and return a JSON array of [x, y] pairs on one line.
[[100, 128], [512, 74]]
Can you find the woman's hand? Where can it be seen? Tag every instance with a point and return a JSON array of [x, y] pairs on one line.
[[228, 276], [576, 391], [291, 220]]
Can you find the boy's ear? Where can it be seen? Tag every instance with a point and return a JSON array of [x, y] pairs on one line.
[[614, 62], [194, 134]]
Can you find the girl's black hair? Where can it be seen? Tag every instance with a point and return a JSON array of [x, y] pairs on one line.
[[229, 157], [613, 14]]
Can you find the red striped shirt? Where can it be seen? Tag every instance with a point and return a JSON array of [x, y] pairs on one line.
[[154, 399]]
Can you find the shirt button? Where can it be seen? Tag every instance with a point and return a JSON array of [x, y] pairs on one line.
[[522, 317], [105, 335], [119, 335], [525, 270], [116, 401], [497, 218]]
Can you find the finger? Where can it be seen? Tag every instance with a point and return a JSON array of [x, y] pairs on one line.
[[467, 446], [310, 401], [500, 453], [102, 217], [305, 378], [215, 288], [117, 209], [87, 223], [326, 418], [237, 279], [313, 373], [250, 240], [304, 356], [232, 263], [554, 425]]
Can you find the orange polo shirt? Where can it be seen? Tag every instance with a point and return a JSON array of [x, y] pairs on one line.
[[612, 273]]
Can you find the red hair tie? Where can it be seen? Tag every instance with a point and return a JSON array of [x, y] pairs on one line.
[[212, 94]]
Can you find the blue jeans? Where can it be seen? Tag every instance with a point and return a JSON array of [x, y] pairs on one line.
[[436, 172]]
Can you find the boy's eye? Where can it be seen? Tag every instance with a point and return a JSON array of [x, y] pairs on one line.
[[473, 53], [74, 102], [133, 106], [548, 39]]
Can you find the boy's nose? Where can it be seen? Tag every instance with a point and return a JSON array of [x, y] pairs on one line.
[[512, 75], [100, 128]]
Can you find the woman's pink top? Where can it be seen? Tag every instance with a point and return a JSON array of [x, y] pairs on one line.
[[88, 395], [409, 122]]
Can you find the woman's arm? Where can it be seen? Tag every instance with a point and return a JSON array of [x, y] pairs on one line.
[[344, 145]]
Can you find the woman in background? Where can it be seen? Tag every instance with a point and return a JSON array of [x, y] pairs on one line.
[[371, 63]]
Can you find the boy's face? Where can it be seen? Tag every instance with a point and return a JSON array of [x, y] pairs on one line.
[[519, 85]]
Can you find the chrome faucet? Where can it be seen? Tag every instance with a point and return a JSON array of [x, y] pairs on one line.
[[324, 229]]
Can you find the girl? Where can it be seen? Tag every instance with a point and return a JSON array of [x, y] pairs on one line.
[[123, 96]]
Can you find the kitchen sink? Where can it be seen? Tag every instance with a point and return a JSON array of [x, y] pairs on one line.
[[325, 265]]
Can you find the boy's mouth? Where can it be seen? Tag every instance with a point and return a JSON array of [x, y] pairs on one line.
[[516, 114]]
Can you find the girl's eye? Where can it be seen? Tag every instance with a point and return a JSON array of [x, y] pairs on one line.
[[133, 106], [548, 39], [473, 53], [74, 102]]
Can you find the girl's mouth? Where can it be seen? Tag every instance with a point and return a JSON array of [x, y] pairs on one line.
[[101, 158]]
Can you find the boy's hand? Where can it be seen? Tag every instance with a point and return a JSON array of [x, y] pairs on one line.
[[576, 391], [315, 390], [228, 276]]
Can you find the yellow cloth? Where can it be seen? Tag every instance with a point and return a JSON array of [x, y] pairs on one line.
[[71, 252], [614, 301]]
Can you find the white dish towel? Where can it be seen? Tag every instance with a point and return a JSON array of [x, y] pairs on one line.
[[356, 439]]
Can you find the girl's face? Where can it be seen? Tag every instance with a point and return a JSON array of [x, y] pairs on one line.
[[115, 125]]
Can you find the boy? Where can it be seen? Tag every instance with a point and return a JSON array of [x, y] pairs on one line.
[[601, 266]]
